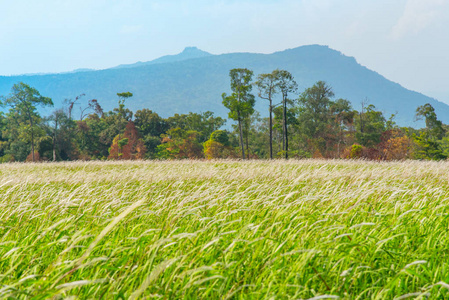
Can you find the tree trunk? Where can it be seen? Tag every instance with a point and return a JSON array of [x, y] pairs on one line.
[[271, 131], [54, 140], [241, 136], [285, 128], [247, 141], [54, 150], [32, 138]]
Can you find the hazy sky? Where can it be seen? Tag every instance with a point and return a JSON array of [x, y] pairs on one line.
[[407, 41]]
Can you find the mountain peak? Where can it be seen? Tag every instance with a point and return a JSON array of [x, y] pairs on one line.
[[187, 53], [191, 49], [194, 52]]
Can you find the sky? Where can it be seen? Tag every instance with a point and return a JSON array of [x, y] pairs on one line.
[[407, 41]]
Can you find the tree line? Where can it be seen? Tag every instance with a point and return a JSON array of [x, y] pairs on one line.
[[311, 124]]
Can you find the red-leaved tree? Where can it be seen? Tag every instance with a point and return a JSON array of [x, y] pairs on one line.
[[127, 145]]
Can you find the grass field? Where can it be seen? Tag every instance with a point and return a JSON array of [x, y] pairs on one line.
[[225, 230]]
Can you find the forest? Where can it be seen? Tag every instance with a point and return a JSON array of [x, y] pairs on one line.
[[311, 124]]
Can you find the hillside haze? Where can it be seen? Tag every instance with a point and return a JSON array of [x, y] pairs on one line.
[[194, 80]]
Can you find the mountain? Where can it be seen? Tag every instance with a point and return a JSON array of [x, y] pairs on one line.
[[194, 81], [188, 53]]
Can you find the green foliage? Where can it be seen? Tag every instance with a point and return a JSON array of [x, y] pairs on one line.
[[150, 123], [267, 85], [152, 143], [323, 122], [62, 131], [286, 85], [369, 125], [241, 102], [204, 123], [313, 126], [94, 135], [285, 82], [314, 111], [444, 146], [180, 144], [434, 127], [220, 136], [121, 111], [218, 146], [45, 148], [429, 142], [356, 151], [123, 142], [427, 147], [23, 101], [125, 95], [7, 158]]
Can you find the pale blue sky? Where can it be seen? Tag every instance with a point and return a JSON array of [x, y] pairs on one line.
[[407, 41]]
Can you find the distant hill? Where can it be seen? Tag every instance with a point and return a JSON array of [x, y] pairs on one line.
[[194, 81], [188, 53]]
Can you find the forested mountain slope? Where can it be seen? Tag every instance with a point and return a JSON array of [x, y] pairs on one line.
[[194, 81]]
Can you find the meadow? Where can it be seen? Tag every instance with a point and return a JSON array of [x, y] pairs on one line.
[[309, 229]]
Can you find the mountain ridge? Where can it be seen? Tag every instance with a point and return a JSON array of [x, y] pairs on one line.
[[187, 53], [181, 83]]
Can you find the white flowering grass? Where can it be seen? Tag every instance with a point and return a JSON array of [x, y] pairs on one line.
[[225, 230]]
